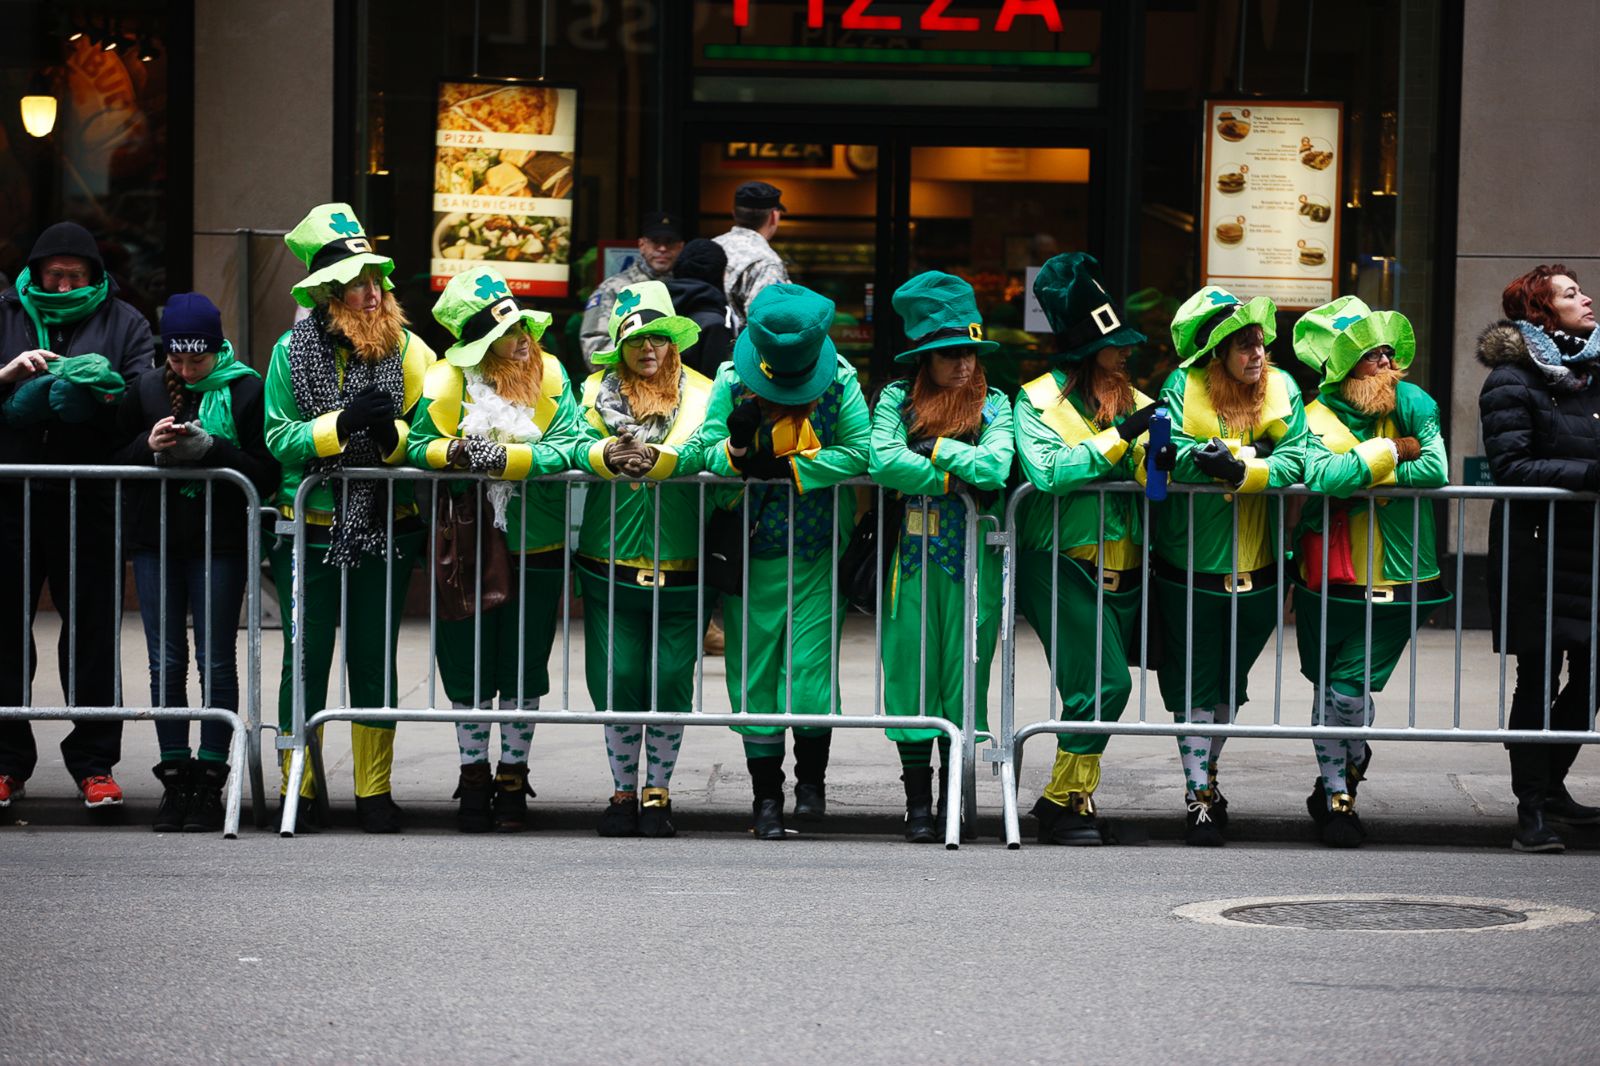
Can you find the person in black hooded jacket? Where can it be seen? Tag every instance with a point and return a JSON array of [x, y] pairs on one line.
[[64, 305], [1540, 410], [696, 290]]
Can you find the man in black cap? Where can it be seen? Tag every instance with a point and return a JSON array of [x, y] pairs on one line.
[[660, 241], [752, 264], [68, 348]]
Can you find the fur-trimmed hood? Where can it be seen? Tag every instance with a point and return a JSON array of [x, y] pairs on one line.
[[1502, 344]]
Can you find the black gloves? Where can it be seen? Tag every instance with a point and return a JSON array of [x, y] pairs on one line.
[[1166, 457], [387, 436], [743, 422], [763, 467], [1136, 423], [925, 446], [373, 409], [1263, 447], [1215, 460]]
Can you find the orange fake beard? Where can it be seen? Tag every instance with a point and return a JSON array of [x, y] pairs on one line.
[[1237, 405], [1109, 392], [947, 412], [1373, 394], [373, 335], [652, 397], [516, 381]]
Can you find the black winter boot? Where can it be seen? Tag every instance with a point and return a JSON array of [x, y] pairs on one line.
[[206, 812], [920, 826], [810, 776], [1530, 780], [511, 792], [174, 777], [475, 791], [766, 785], [378, 814]]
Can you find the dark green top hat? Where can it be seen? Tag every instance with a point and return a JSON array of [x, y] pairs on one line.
[[1079, 309], [785, 354], [940, 311]]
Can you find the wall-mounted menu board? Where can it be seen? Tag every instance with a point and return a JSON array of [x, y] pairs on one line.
[[1270, 207], [502, 183]]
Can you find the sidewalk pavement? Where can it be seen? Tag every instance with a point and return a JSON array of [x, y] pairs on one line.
[[1417, 793]]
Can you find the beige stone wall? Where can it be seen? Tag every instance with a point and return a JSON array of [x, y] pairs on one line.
[[1530, 178], [263, 150]]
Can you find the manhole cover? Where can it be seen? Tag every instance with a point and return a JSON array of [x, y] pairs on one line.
[[1374, 914]]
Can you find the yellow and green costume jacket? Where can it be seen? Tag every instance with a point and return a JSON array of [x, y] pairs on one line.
[[1063, 449], [1194, 423], [437, 423]]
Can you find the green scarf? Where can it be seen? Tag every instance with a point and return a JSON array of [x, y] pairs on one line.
[[216, 399], [47, 309]]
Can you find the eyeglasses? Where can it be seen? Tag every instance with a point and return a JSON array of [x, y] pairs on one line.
[[654, 340], [1378, 355]]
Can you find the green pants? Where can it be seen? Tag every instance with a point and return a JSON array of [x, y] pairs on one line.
[[939, 624], [1074, 643], [1347, 639], [635, 649], [534, 614], [1208, 650], [812, 627]]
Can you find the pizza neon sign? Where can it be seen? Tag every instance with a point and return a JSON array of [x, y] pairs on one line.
[[932, 19]]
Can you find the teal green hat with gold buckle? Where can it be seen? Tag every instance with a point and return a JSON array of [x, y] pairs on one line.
[[335, 249], [1079, 309], [478, 309], [940, 311], [642, 309], [785, 354]]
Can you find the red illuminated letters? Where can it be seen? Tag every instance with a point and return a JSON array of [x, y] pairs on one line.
[[933, 17]]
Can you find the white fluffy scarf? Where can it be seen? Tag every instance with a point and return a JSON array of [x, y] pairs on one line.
[[492, 417]]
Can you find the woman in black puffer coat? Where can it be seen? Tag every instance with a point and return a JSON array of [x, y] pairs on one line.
[[1540, 409]]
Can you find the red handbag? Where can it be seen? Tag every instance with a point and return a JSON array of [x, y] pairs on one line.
[[1341, 568]]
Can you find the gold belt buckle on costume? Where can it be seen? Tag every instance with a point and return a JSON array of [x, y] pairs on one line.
[[1111, 580], [914, 522], [1237, 582], [648, 578], [1383, 594]]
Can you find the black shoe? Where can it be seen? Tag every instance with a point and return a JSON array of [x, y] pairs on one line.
[[174, 777], [1559, 806], [621, 819], [1532, 834], [1202, 831], [206, 811], [511, 794], [768, 815], [1342, 829], [655, 814], [1317, 803], [810, 802], [1077, 826], [1354, 775], [1047, 813], [920, 826], [306, 819], [475, 790], [1219, 808], [968, 833], [378, 814]]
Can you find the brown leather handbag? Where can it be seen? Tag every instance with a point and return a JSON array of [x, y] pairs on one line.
[[456, 536]]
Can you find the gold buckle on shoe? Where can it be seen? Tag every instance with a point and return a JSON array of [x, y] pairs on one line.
[[1081, 803], [653, 797], [1237, 582], [1342, 803]]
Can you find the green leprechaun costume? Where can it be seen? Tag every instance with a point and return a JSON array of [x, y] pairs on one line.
[[340, 388], [926, 463], [498, 405], [787, 408], [1368, 428], [642, 413], [1236, 421], [1081, 425]]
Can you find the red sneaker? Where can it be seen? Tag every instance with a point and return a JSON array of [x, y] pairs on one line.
[[100, 791], [10, 789]]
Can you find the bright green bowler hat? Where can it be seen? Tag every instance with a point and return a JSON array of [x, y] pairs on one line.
[[785, 354], [334, 248], [643, 309], [1212, 315], [1079, 309], [1319, 327], [477, 308], [940, 311], [1378, 329]]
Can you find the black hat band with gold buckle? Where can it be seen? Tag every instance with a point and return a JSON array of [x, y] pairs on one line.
[[485, 319], [336, 251], [1102, 322], [972, 331]]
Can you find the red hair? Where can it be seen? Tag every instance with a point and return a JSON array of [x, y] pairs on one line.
[[1530, 297]]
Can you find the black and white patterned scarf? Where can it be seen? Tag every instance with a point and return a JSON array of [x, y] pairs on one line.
[[358, 528], [615, 411]]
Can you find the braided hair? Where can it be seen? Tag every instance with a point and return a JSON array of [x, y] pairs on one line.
[[176, 392]]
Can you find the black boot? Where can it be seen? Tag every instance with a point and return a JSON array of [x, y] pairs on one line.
[[920, 826], [475, 791], [621, 818], [1532, 834], [1317, 802], [306, 820], [174, 777], [1219, 807], [655, 814], [1559, 806], [1341, 826], [1530, 780], [810, 775], [378, 814], [1077, 826], [206, 812], [511, 792], [1048, 813], [766, 784], [1202, 830], [968, 832]]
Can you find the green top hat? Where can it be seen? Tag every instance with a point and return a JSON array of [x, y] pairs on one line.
[[1212, 315], [940, 311], [1317, 329], [1079, 309], [1378, 329], [785, 354], [477, 308], [92, 372], [642, 309], [334, 248]]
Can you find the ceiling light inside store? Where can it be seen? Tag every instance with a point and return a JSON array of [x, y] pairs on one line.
[[39, 114]]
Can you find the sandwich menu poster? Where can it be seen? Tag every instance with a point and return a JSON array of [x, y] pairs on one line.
[[502, 183], [1270, 207]]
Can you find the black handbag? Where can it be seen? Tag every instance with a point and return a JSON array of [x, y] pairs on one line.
[[865, 563]]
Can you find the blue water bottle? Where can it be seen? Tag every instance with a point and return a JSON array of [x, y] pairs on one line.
[[1155, 484]]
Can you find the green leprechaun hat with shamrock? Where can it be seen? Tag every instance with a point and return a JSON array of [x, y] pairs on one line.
[[1332, 338], [785, 354], [644, 309], [939, 311], [1214, 314], [1317, 329], [478, 309], [1079, 309], [334, 248]]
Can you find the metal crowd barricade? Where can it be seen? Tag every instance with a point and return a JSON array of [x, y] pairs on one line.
[[301, 741], [245, 747], [1012, 737]]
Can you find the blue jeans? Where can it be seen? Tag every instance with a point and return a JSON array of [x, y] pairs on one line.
[[186, 594]]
